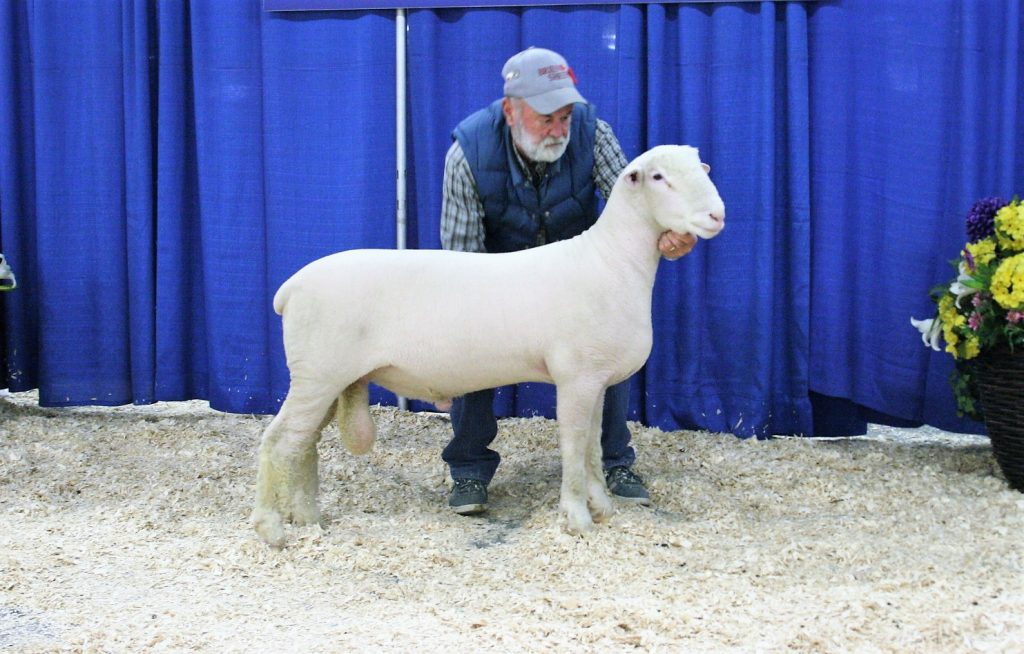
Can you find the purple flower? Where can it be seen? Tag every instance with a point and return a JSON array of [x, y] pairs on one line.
[[1015, 317], [974, 321], [969, 258], [981, 218]]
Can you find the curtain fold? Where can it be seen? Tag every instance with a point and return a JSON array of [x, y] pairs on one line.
[[730, 350], [164, 166], [80, 283], [228, 88], [180, 334], [17, 197], [139, 165]]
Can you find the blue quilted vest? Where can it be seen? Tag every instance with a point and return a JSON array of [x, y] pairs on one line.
[[517, 213]]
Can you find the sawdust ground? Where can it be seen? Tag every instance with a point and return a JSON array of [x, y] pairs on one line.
[[125, 530]]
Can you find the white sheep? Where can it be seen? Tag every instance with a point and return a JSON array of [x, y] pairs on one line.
[[433, 324]]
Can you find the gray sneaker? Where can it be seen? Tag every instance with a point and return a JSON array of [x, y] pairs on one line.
[[468, 496], [625, 484]]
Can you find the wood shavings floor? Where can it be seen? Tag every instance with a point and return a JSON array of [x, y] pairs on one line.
[[125, 530]]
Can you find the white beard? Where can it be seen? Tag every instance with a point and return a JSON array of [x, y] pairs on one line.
[[546, 150]]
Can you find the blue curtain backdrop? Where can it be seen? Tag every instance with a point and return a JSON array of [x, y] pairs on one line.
[[164, 166], [917, 110]]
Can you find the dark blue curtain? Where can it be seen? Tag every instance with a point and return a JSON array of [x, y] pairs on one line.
[[731, 323], [164, 166], [917, 110]]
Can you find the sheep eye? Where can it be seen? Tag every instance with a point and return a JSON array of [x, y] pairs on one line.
[[657, 176]]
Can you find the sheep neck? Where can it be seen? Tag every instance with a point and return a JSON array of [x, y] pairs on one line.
[[626, 238]]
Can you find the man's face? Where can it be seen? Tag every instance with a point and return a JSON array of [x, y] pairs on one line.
[[539, 137]]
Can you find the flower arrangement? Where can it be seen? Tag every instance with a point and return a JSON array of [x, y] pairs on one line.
[[982, 309]]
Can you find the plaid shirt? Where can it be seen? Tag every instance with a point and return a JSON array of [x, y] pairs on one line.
[[462, 213]]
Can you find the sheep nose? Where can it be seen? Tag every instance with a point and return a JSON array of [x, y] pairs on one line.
[[718, 217]]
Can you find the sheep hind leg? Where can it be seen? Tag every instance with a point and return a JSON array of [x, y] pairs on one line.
[[576, 406], [354, 420], [287, 480], [598, 501]]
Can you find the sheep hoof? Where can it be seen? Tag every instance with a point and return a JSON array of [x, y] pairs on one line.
[[269, 527], [578, 522], [304, 515], [601, 508], [579, 529]]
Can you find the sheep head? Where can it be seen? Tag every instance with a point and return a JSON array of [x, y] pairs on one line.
[[672, 183]]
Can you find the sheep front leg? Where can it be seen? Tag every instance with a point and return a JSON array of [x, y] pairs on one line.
[[600, 503], [576, 406], [288, 479]]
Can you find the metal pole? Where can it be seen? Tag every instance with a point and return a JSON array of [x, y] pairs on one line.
[[400, 124], [400, 205]]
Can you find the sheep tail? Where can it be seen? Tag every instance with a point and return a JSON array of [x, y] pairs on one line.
[[354, 421]]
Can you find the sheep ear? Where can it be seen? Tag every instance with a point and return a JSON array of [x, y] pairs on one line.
[[706, 167], [635, 177]]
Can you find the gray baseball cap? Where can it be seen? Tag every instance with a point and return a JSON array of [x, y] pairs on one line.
[[542, 78]]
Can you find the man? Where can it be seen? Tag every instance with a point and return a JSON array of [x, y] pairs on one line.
[[523, 172]]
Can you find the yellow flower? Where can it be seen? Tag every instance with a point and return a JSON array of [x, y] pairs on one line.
[[971, 347], [948, 313], [948, 317], [1010, 226], [946, 305], [1008, 283], [983, 251], [952, 320], [951, 338]]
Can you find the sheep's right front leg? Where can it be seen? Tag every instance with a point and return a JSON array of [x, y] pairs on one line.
[[577, 404], [287, 481]]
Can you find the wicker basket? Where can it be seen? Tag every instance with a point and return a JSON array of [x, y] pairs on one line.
[[1000, 377]]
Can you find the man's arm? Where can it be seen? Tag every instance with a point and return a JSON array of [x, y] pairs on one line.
[[462, 213], [609, 161]]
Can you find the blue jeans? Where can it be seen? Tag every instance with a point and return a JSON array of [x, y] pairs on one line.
[[469, 456]]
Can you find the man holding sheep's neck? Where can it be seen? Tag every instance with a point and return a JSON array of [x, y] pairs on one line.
[[523, 172]]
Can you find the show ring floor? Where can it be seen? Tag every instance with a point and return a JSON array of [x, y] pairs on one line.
[[126, 530]]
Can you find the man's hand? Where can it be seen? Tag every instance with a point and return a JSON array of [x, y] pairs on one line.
[[674, 245]]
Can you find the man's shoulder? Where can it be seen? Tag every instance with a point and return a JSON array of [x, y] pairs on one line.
[[584, 111], [483, 117], [455, 155], [481, 139]]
